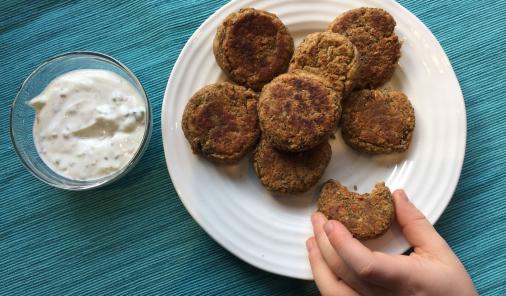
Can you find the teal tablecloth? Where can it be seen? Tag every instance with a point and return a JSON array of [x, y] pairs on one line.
[[135, 237]]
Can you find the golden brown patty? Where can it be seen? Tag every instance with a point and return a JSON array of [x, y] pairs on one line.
[[329, 55], [252, 47], [366, 215], [290, 172], [377, 121], [220, 122], [298, 111], [371, 30]]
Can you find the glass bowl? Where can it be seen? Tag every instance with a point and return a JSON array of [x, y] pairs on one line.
[[22, 116]]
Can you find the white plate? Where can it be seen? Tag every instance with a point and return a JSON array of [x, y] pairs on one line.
[[269, 231]]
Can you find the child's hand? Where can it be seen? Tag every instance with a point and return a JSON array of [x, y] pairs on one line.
[[341, 265]]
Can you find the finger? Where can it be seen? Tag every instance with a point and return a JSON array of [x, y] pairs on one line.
[[331, 257], [325, 279], [373, 267], [329, 254], [416, 228]]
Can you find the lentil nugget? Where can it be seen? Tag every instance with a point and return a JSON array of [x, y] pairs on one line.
[[298, 111], [253, 46], [221, 122], [371, 30], [377, 121], [329, 55], [290, 172]]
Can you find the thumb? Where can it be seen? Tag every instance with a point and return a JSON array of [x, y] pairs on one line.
[[416, 228]]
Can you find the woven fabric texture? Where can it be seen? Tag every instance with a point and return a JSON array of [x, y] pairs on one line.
[[135, 237]]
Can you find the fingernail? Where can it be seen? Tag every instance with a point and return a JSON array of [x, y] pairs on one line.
[[315, 217], [310, 244], [401, 194], [329, 227]]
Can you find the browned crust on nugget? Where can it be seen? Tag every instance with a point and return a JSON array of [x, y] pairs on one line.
[[253, 46], [371, 30], [329, 55], [366, 215], [290, 172], [378, 121], [220, 122], [298, 111]]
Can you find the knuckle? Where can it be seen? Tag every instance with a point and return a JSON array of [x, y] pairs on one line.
[[419, 216], [366, 271], [315, 259]]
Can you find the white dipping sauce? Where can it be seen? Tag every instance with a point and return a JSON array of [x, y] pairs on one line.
[[89, 123]]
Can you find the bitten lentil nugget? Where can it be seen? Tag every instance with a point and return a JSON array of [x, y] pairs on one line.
[[366, 215]]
